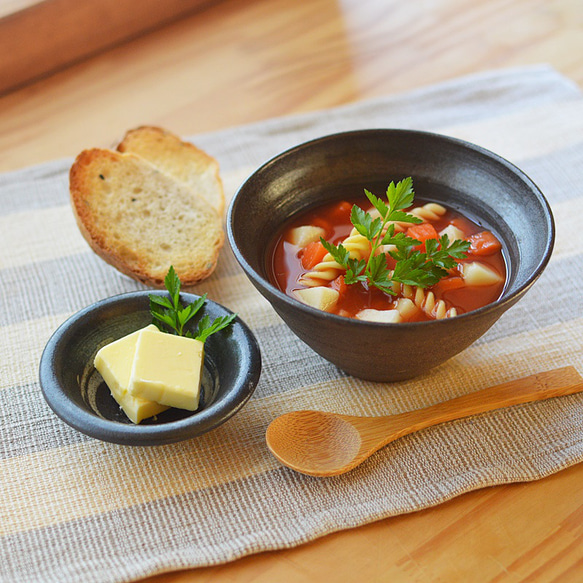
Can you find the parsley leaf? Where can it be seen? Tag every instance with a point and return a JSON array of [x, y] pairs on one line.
[[400, 195], [206, 327], [339, 253], [413, 267], [168, 312]]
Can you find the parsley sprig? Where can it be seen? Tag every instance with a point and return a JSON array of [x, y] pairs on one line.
[[413, 267], [169, 313]]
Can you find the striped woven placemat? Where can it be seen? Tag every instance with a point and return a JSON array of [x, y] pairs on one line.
[[73, 508]]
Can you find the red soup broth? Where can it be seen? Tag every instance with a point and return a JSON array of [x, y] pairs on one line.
[[286, 266]]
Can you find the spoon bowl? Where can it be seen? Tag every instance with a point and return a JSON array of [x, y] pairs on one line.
[[323, 444], [321, 441]]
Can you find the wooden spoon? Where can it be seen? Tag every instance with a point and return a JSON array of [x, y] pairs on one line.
[[328, 444]]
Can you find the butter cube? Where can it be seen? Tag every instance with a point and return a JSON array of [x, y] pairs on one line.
[[114, 363], [167, 369]]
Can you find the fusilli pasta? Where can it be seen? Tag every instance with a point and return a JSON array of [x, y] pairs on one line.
[[428, 212], [425, 301], [328, 269]]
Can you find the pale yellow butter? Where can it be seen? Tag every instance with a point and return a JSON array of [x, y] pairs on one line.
[[167, 369], [114, 362]]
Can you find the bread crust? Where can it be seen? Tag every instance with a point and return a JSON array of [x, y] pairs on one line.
[[179, 159], [141, 221]]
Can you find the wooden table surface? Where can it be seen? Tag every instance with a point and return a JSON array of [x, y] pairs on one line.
[[239, 61]]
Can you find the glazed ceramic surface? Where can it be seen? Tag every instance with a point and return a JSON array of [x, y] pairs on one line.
[[463, 176], [76, 392]]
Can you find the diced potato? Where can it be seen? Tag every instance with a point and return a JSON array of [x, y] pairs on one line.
[[320, 297], [453, 233], [382, 316], [478, 274], [302, 236], [406, 308]]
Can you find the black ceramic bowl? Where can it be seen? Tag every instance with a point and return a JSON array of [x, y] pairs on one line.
[[79, 396], [463, 176]]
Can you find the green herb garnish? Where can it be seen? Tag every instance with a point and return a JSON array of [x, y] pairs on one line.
[[413, 267], [168, 313]]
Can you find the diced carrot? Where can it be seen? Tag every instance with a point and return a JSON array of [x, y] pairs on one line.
[[484, 243], [340, 213], [422, 233], [340, 285], [448, 284], [312, 254]]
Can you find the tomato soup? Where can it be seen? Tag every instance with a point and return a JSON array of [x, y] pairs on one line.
[[301, 267]]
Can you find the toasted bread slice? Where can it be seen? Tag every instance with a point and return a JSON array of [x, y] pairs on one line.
[[141, 220], [181, 160]]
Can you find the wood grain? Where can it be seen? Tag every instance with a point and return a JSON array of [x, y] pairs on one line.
[[325, 444], [44, 36], [520, 532], [241, 61]]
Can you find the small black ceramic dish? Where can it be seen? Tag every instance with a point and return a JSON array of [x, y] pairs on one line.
[[462, 176], [78, 395]]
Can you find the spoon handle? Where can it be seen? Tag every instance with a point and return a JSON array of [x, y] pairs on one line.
[[537, 387]]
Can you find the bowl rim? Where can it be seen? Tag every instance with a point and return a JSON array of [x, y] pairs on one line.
[[505, 300], [108, 430]]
